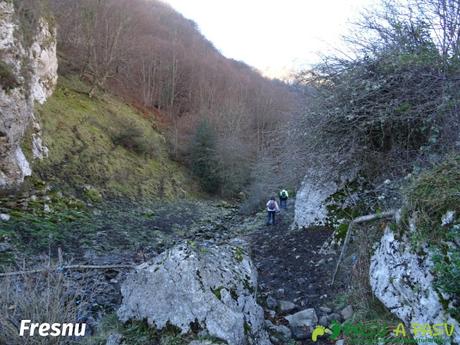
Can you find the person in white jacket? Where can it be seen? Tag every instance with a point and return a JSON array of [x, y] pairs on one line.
[[272, 208]]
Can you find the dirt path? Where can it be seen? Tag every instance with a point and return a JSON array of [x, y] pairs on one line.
[[290, 266]]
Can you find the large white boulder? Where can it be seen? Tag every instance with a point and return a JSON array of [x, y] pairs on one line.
[[403, 282], [213, 286], [319, 183]]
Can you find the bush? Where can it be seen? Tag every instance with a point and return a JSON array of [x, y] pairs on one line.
[[431, 195], [8, 80], [132, 137]]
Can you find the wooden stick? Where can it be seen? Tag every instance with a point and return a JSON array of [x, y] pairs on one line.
[[70, 267], [362, 219]]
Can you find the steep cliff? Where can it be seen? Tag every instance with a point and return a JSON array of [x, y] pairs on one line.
[[28, 74]]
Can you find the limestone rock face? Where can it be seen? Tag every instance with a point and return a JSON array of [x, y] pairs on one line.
[[403, 282], [310, 208], [213, 286], [318, 184], [29, 75]]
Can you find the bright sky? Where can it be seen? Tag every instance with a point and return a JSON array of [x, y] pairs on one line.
[[275, 36]]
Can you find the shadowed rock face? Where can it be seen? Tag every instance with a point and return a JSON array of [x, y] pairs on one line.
[[403, 282], [18, 92], [213, 286]]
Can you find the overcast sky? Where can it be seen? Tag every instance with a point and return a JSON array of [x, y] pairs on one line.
[[274, 36]]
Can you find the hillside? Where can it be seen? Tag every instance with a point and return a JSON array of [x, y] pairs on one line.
[[106, 144]]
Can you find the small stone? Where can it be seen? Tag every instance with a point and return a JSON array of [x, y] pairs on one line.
[[286, 306], [304, 318], [5, 217], [46, 208], [283, 331], [271, 302], [448, 218], [325, 310], [347, 312], [114, 339], [271, 313], [334, 317], [320, 262], [4, 247], [300, 333], [340, 342], [323, 320]]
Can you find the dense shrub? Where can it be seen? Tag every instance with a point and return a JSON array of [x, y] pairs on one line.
[[132, 137], [8, 80], [391, 103], [431, 195]]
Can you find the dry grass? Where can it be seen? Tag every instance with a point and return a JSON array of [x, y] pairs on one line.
[[44, 297]]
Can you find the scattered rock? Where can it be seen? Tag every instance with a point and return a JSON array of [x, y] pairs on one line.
[[326, 310], [202, 342], [5, 217], [271, 302], [280, 293], [448, 218], [280, 330], [214, 288], [304, 318], [320, 263], [347, 312], [5, 247], [340, 342], [323, 320], [300, 333], [286, 306], [334, 317], [114, 339]]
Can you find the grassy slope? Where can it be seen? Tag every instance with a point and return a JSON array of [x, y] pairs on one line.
[[78, 131]]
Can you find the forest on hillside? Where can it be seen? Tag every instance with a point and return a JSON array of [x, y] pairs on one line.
[[221, 115]]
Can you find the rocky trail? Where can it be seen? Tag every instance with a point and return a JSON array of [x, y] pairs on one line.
[[293, 274]]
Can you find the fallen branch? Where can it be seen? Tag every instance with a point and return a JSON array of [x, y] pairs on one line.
[[358, 220], [64, 268]]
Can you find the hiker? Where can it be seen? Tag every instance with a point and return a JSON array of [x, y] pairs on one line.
[[272, 208], [284, 195]]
